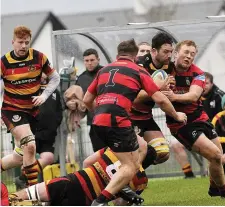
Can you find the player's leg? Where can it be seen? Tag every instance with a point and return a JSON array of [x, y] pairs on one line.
[[46, 153], [181, 157], [197, 136], [11, 161], [19, 124], [157, 140], [123, 142], [213, 154], [153, 136]]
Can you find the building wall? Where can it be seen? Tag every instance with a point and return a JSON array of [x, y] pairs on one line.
[[43, 42], [213, 59]]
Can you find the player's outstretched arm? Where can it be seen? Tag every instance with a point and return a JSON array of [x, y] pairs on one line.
[[164, 103]]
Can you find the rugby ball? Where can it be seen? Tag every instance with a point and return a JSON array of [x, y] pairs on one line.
[[159, 75]]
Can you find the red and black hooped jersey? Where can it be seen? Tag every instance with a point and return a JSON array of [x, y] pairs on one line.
[[194, 110], [143, 111], [116, 87], [22, 77], [94, 178]]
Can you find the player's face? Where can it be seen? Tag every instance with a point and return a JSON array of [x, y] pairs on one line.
[[164, 54], [208, 86], [143, 50], [90, 62], [185, 56], [21, 45]]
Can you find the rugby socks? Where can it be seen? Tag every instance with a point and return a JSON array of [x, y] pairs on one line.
[[222, 191], [187, 170], [213, 189], [32, 171], [105, 197], [212, 183]]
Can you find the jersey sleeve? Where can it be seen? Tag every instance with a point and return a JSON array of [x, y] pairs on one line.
[[199, 78], [147, 83], [2, 69], [46, 66], [93, 87], [4, 195]]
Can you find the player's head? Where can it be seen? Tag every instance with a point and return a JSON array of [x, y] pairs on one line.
[[208, 83], [127, 48], [143, 48], [21, 40], [185, 53], [162, 47], [91, 59]]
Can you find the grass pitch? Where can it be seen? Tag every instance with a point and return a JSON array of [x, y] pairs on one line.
[[180, 192]]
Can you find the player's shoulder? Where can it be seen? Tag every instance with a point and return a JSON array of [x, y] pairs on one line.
[[5, 56], [195, 69]]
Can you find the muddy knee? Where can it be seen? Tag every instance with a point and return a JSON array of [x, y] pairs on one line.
[[28, 144]]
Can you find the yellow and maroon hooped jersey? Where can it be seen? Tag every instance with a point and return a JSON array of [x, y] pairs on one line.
[[22, 77], [94, 178]]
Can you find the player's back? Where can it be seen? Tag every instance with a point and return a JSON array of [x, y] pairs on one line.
[[118, 84]]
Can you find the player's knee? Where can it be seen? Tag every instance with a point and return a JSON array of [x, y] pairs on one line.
[[131, 170], [177, 147], [162, 149], [28, 144], [47, 158], [217, 157]]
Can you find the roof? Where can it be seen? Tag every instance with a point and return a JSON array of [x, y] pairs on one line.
[[193, 10], [100, 18], [35, 21], [200, 31]]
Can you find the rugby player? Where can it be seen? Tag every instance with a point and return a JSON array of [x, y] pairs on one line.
[[21, 71], [82, 187], [114, 88], [198, 134]]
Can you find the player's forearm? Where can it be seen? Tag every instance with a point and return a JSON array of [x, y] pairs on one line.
[[167, 107], [90, 105], [186, 97], [142, 96], [54, 80]]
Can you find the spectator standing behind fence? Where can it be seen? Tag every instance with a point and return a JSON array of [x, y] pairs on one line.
[[49, 119], [92, 65], [143, 49], [212, 97], [21, 71]]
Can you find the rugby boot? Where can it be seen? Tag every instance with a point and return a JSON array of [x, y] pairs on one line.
[[130, 196], [213, 192], [96, 203]]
